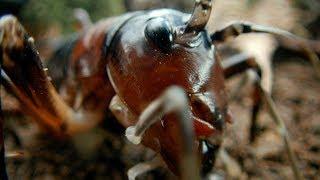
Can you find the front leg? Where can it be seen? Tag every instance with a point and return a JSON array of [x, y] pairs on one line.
[[127, 118], [172, 100], [24, 76]]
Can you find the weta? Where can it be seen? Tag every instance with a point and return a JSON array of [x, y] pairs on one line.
[[158, 71]]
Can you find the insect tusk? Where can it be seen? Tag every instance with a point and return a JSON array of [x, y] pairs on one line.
[[188, 34], [200, 16]]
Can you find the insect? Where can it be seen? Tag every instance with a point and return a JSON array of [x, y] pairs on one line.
[[158, 72]]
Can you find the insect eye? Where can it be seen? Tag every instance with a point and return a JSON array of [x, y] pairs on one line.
[[159, 31]]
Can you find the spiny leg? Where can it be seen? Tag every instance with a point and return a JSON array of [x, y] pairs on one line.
[[238, 64], [234, 67], [23, 75], [172, 100], [17, 72], [237, 28]]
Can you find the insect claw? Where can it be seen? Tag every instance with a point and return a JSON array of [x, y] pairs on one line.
[[131, 135], [31, 40], [144, 167]]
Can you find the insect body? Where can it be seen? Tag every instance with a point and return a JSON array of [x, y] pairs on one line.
[[141, 68], [158, 70]]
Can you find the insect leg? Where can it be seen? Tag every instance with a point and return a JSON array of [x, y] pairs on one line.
[[238, 64], [23, 75], [121, 112], [233, 67], [237, 28], [282, 130], [172, 100], [126, 118], [143, 167]]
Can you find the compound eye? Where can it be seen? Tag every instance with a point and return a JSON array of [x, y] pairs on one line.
[[160, 32]]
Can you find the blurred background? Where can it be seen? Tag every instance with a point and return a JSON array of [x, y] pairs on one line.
[[103, 153]]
